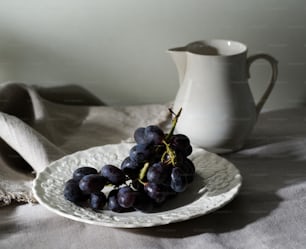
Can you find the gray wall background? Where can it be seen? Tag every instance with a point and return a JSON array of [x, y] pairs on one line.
[[116, 48]]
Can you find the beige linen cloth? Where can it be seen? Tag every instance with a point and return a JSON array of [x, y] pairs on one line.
[[39, 125]]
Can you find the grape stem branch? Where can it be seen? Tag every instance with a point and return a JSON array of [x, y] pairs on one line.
[[174, 122]]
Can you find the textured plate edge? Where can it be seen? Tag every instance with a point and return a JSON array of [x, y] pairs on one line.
[[119, 225], [235, 191]]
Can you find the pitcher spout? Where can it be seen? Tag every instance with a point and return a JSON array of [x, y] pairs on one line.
[[180, 59]]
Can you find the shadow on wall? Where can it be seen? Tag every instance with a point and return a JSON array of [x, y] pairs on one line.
[[31, 62]]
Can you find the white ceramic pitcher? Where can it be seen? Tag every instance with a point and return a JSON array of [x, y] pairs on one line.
[[218, 109]]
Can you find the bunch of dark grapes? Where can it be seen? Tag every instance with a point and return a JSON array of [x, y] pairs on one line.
[[156, 169]]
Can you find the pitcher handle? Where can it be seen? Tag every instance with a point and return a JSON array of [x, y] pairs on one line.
[[273, 77]]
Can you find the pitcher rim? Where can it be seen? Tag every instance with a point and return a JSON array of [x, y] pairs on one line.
[[242, 50]]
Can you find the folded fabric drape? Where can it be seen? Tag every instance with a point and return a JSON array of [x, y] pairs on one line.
[[39, 125]]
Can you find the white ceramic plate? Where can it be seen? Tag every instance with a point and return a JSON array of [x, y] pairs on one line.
[[217, 181]]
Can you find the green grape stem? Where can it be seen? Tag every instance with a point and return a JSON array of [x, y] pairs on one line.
[[143, 172], [169, 152], [174, 122]]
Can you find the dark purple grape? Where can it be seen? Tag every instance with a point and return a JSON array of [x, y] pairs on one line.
[[83, 171], [153, 135], [139, 135], [126, 197], [113, 174], [130, 168], [141, 153], [137, 185], [177, 157], [178, 180], [143, 202], [159, 150], [97, 200], [112, 202], [181, 143], [157, 192], [188, 168], [159, 173], [92, 183], [188, 150], [73, 193]]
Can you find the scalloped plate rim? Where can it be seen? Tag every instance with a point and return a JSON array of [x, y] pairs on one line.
[[35, 189]]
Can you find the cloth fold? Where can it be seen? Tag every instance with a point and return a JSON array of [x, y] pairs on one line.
[[39, 125]]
